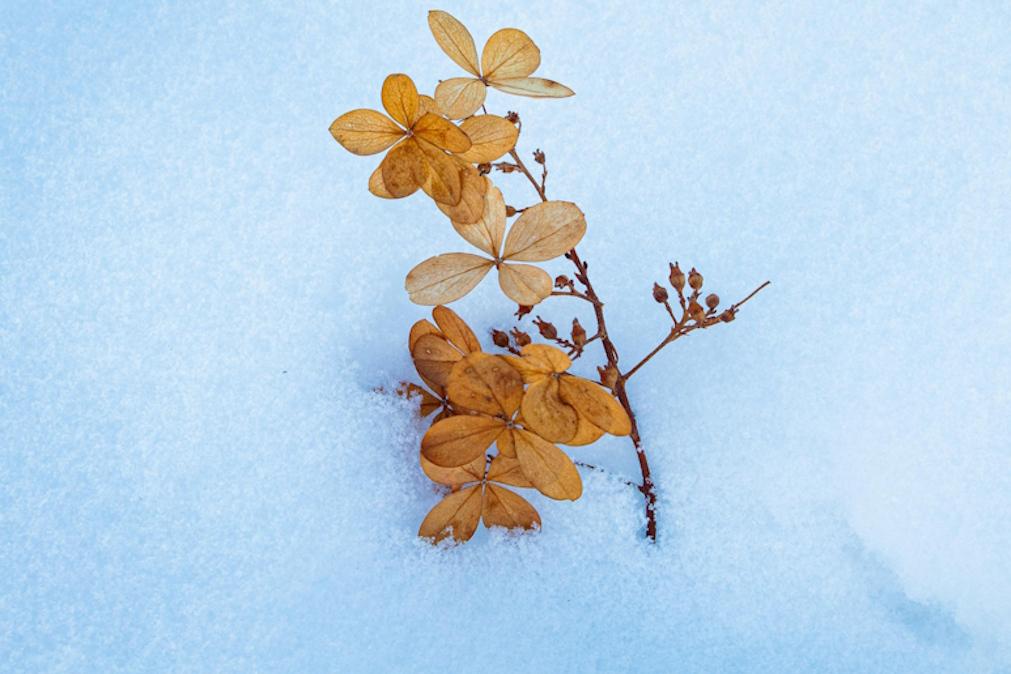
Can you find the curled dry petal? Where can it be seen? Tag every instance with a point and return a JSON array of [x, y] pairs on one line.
[[545, 413], [457, 515], [460, 439], [509, 53], [523, 283], [534, 87], [422, 327], [596, 404], [545, 231], [400, 98], [505, 508], [434, 359], [473, 189], [491, 137], [376, 185], [548, 468], [454, 39], [445, 278], [442, 133], [460, 97], [485, 383], [365, 132], [454, 477], [455, 329]]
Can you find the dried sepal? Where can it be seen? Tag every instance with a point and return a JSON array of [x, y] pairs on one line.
[[485, 383], [505, 508], [544, 232], [539, 361], [524, 283], [596, 404], [487, 232], [441, 133], [438, 174], [454, 477], [427, 104], [534, 87], [455, 516], [473, 190], [491, 137], [460, 97], [445, 278], [455, 329], [454, 39], [548, 468], [402, 169], [586, 433], [422, 327], [365, 132], [460, 439], [507, 469], [434, 359], [509, 53], [376, 184], [545, 413], [400, 99]]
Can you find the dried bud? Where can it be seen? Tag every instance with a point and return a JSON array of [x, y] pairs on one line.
[[696, 311], [578, 333], [547, 329], [695, 279], [563, 281], [659, 293], [512, 117], [510, 211], [728, 316], [505, 167], [522, 310], [712, 300], [538, 156], [608, 375], [484, 169], [500, 338], [677, 277], [522, 338]]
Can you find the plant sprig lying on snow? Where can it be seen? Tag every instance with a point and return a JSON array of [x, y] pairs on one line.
[[523, 404]]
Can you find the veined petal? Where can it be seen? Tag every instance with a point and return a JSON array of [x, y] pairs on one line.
[[491, 137], [485, 383], [505, 508], [442, 179], [545, 413], [486, 234], [365, 132], [509, 53], [473, 188], [401, 168], [545, 231], [548, 468], [460, 439], [460, 97], [445, 278], [524, 284], [457, 516], [534, 87], [400, 98], [454, 39], [442, 133]]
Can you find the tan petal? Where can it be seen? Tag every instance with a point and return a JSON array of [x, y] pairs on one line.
[[400, 98], [473, 189], [457, 516], [506, 446], [595, 403], [460, 439], [442, 133], [545, 413], [454, 39], [505, 508], [402, 170], [427, 104], [365, 131], [445, 278], [485, 383], [534, 87], [546, 358], [524, 284], [548, 468], [545, 231], [456, 329], [422, 327], [491, 137], [454, 477], [441, 174], [429, 403], [434, 359], [507, 470], [460, 97], [509, 53], [586, 433], [486, 234], [376, 184]]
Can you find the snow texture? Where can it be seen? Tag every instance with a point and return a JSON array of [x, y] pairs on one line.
[[198, 298]]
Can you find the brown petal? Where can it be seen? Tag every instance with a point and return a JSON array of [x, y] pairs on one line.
[[596, 404], [456, 329], [546, 358], [505, 508], [505, 469], [487, 232], [473, 189], [457, 515], [422, 327], [509, 53], [400, 98], [454, 477], [534, 87], [376, 184], [545, 413], [441, 175], [586, 433], [485, 383], [442, 133], [460, 97], [365, 132], [460, 439], [491, 137], [434, 359], [402, 170], [454, 39], [427, 104], [524, 284], [545, 231], [445, 278], [548, 468]]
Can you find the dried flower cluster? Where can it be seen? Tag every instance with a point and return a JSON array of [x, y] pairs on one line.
[[498, 419]]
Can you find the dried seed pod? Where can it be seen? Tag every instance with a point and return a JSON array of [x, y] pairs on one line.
[[522, 310], [563, 281], [539, 156], [695, 279], [712, 300], [608, 375], [501, 339], [728, 316], [510, 211], [696, 311], [547, 330], [521, 338], [677, 277], [578, 333], [659, 293], [484, 168], [512, 117]]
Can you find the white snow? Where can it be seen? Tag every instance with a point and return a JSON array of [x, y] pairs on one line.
[[198, 297]]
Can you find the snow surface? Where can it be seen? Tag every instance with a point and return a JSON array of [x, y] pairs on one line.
[[198, 297]]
